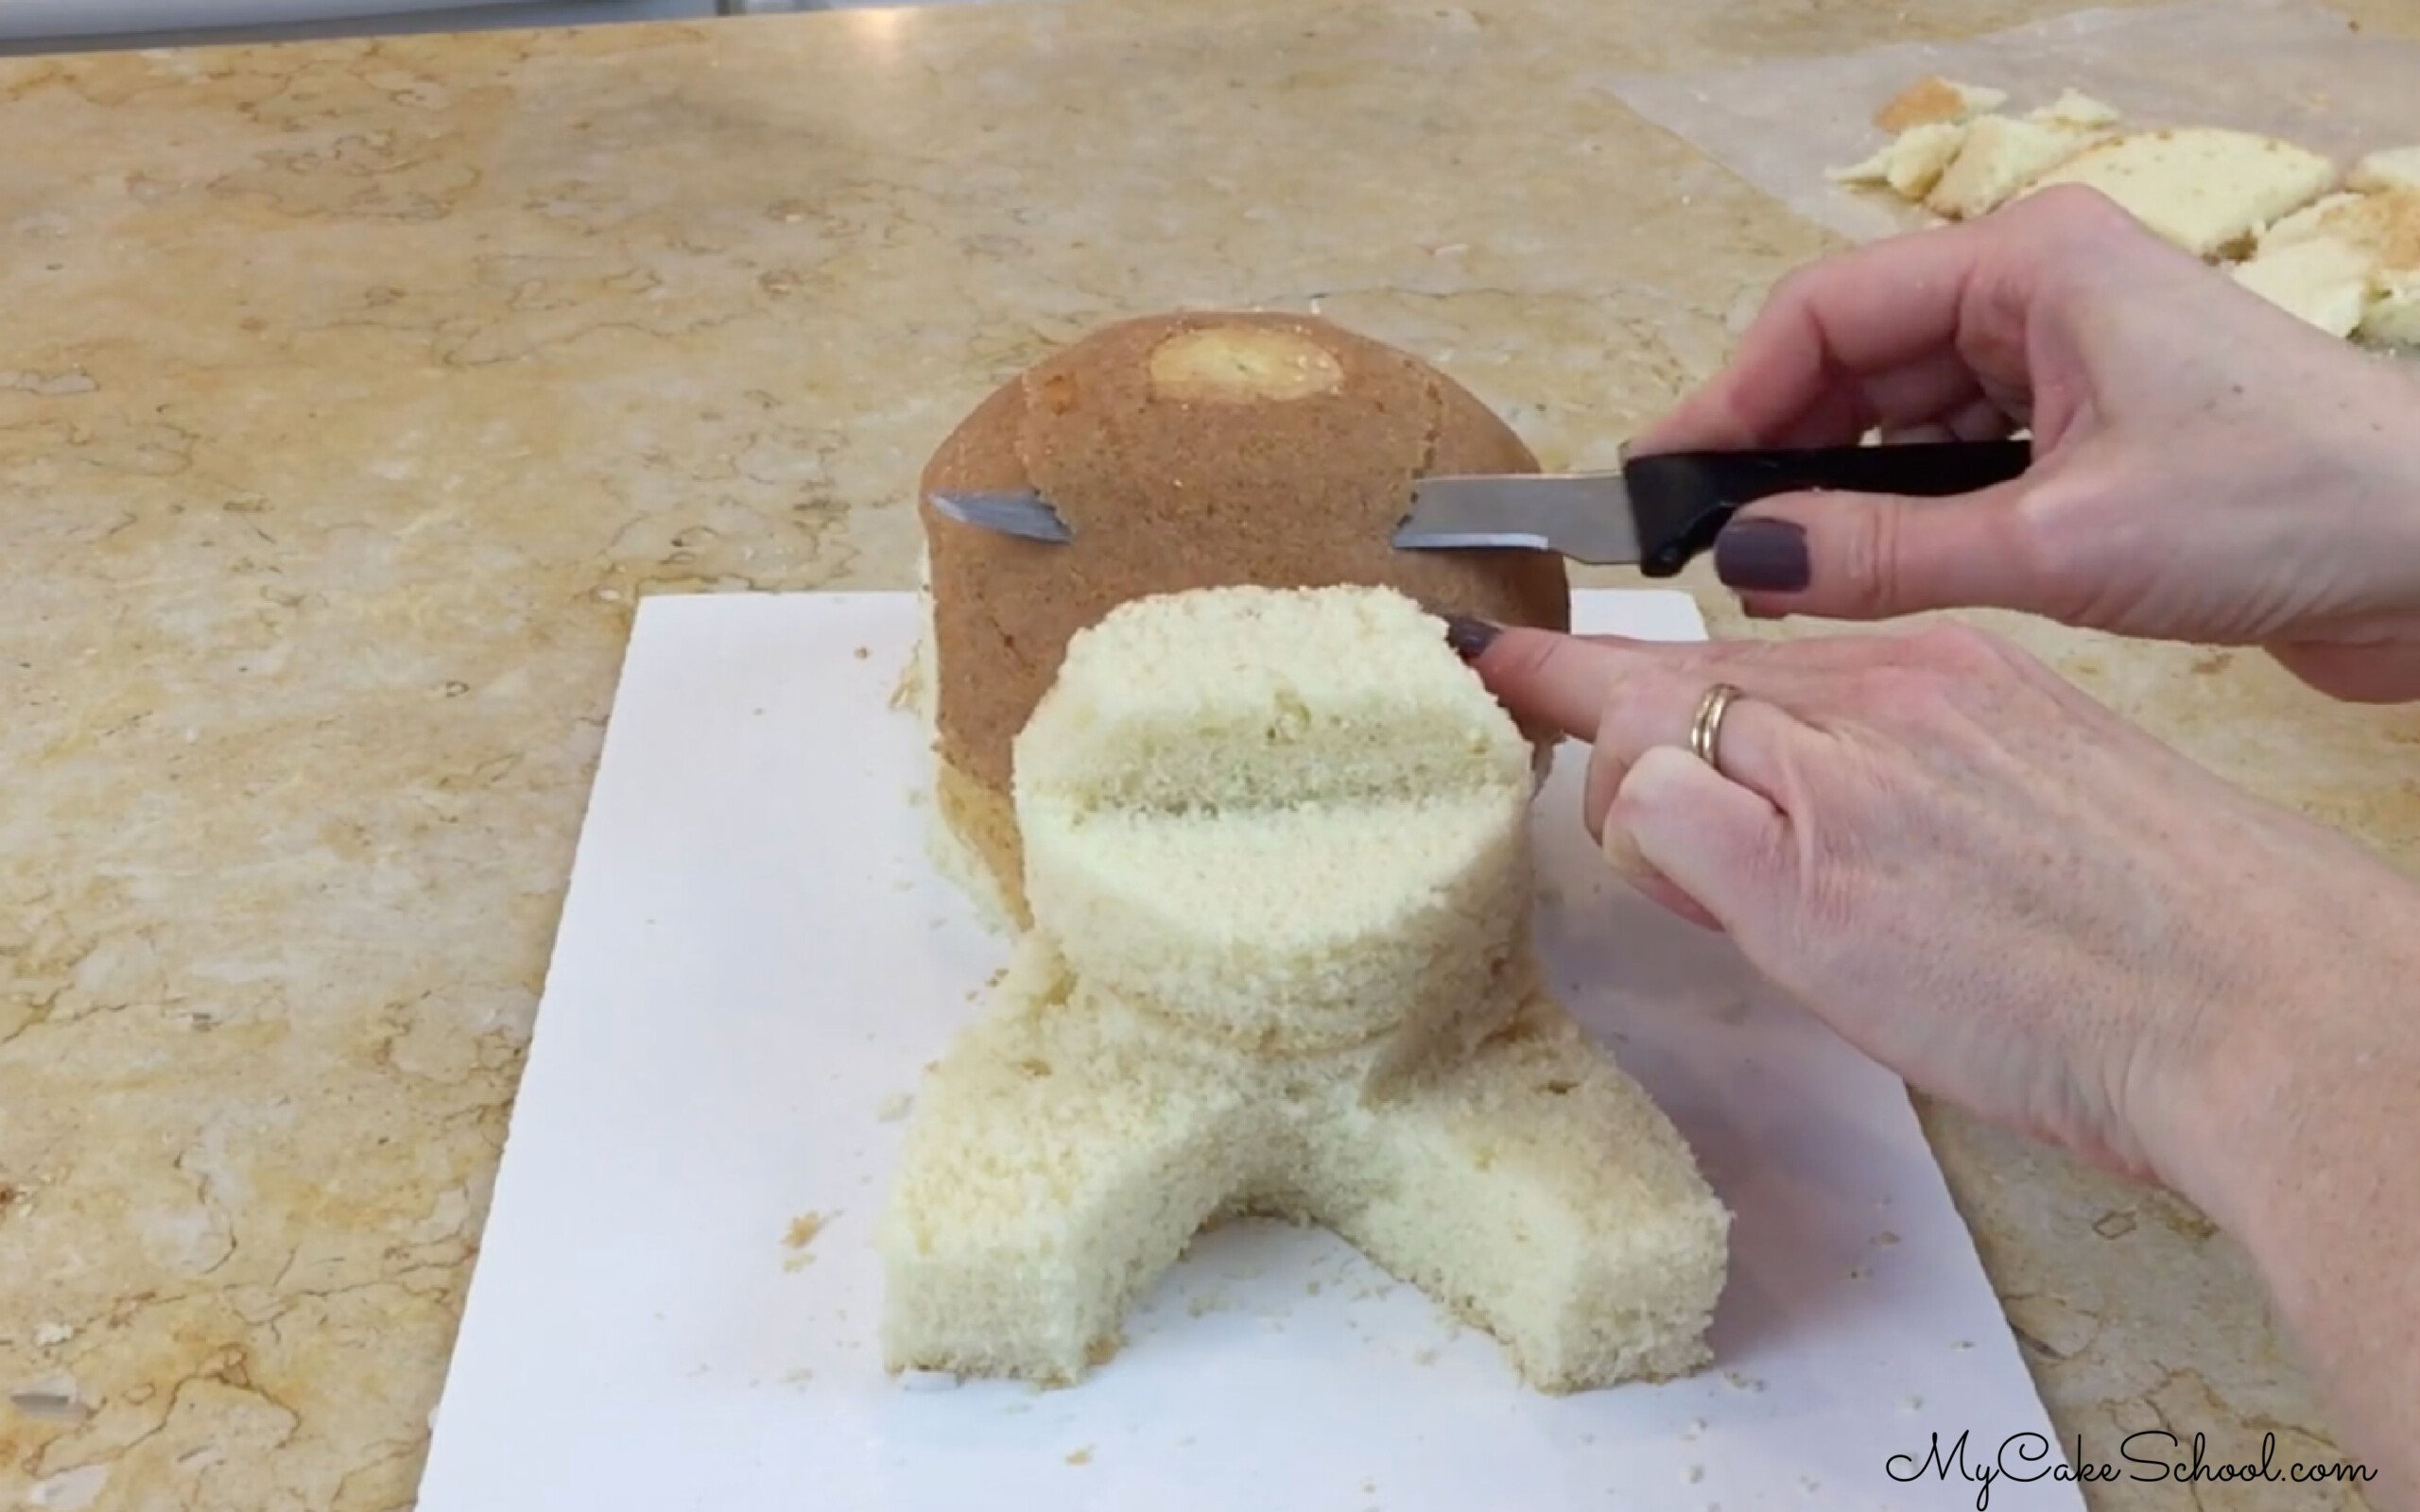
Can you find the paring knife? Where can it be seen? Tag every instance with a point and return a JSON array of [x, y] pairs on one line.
[[1658, 513]]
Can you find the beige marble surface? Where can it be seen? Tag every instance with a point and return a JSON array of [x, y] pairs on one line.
[[350, 395]]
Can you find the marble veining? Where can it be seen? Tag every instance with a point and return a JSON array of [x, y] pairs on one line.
[[351, 394]]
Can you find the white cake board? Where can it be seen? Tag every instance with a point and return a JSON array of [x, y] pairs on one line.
[[754, 961]]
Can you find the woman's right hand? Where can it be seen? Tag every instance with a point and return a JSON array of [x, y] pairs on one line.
[[2206, 468]]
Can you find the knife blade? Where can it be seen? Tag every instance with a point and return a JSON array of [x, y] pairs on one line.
[[1009, 512], [1659, 512]]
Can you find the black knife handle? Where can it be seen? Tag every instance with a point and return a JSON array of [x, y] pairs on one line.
[[1681, 500]]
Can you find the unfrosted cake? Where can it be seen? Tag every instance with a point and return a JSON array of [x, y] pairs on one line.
[[1185, 451], [1280, 963]]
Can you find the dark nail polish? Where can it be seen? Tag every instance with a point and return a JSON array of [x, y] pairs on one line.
[[1763, 556], [1470, 639]]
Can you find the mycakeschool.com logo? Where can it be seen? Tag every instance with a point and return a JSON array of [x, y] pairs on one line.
[[2152, 1454]]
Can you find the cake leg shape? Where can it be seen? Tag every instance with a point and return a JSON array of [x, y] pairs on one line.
[[1536, 1191], [1051, 1175]]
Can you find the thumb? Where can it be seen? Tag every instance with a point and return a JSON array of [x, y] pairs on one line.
[[1873, 556], [1722, 845]]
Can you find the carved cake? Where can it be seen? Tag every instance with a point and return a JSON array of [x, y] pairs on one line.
[[1185, 452], [1280, 963]]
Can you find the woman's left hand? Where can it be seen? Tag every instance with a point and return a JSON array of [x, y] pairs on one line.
[[2021, 903], [1982, 877]]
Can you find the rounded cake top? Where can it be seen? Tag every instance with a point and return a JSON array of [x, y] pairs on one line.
[[1195, 450]]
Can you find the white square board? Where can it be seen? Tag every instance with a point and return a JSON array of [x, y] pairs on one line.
[[755, 961]]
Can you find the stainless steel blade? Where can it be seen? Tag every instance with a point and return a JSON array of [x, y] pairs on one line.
[[1584, 516], [1016, 512]]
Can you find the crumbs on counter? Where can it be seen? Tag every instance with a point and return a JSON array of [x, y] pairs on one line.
[[1885, 1239], [894, 1108], [1081, 1457], [862, 652]]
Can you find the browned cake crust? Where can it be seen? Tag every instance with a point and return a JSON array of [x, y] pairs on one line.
[[1192, 451]]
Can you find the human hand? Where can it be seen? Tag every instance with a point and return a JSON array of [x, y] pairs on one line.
[[2024, 905], [1975, 873], [2206, 468]]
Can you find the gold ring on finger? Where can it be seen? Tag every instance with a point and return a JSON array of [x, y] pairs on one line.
[[1705, 730]]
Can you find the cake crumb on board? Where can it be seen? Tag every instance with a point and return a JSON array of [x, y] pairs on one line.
[[894, 1108], [802, 1233], [1081, 1457]]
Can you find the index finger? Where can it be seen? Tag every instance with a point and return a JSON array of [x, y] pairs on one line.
[[1560, 681], [1547, 680]]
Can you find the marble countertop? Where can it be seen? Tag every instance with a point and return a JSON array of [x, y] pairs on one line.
[[351, 394]]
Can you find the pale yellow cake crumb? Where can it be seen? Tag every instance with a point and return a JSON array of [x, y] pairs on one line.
[[2389, 169], [1997, 158], [802, 1233]]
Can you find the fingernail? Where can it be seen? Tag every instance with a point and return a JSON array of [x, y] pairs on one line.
[[1470, 639], [1763, 556]]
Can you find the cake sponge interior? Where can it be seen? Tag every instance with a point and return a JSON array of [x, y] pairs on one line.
[[1289, 818], [1280, 963]]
